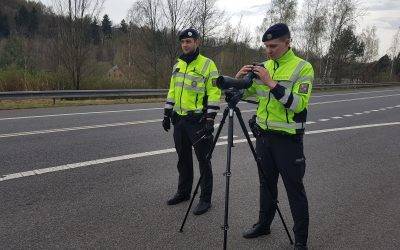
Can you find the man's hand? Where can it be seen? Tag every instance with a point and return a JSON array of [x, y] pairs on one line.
[[264, 76], [166, 123], [243, 71]]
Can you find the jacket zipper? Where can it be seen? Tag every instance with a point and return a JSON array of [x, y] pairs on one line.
[[183, 83], [269, 93], [195, 103]]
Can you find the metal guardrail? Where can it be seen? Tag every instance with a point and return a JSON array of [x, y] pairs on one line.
[[58, 94], [130, 93], [354, 85]]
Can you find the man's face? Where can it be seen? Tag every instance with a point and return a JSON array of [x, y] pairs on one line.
[[276, 48], [189, 45]]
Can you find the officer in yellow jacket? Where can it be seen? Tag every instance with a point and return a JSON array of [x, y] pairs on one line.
[[192, 104], [283, 89]]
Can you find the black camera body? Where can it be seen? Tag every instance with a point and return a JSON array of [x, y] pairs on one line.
[[226, 82]]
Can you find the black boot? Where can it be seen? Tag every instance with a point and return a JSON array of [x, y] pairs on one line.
[[178, 198], [300, 246], [202, 207], [256, 231]]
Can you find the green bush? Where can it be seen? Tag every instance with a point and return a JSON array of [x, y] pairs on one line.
[[13, 78]]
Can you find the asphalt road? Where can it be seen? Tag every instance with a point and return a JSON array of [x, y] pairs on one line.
[[99, 177]]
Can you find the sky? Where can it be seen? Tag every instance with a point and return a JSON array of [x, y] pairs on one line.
[[384, 14]]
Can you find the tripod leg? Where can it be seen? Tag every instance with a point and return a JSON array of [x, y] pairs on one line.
[[190, 204], [208, 157], [246, 134], [228, 175]]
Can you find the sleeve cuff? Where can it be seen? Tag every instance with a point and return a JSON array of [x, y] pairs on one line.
[[278, 91]]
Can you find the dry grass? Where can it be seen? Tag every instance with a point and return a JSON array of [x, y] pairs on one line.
[[46, 103]]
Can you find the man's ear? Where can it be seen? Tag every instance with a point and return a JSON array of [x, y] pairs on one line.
[[198, 42], [288, 41]]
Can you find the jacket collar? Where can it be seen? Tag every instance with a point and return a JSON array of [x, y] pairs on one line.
[[190, 57], [287, 56]]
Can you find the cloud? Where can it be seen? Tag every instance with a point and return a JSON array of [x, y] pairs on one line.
[[383, 5], [257, 10]]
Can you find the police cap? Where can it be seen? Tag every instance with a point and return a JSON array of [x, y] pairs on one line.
[[189, 33], [276, 31]]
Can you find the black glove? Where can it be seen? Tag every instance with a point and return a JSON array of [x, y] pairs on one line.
[[166, 123], [253, 126], [209, 127]]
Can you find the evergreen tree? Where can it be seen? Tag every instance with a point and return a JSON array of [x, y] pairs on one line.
[[33, 24], [124, 26], [106, 26], [94, 32], [4, 26], [22, 19]]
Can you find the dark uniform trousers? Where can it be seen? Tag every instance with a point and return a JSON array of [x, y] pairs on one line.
[[283, 154], [186, 130]]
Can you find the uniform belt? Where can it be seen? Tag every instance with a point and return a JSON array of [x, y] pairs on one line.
[[269, 132], [191, 116]]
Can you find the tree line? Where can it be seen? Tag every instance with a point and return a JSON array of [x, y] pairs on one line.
[[69, 46]]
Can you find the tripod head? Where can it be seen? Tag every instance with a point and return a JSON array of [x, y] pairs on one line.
[[233, 96]]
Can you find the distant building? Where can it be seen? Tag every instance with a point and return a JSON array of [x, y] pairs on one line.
[[115, 73]]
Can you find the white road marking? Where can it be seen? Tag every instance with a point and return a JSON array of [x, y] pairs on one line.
[[226, 137], [323, 120], [354, 99], [367, 112], [310, 122], [160, 108], [358, 113], [77, 128], [159, 152], [374, 110], [158, 120], [82, 113], [353, 127], [348, 115], [354, 93], [337, 117]]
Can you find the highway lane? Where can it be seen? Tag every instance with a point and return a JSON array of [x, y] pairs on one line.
[[40, 119], [24, 153], [352, 181]]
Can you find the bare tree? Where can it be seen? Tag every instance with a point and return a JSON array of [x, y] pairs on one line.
[[341, 14], [177, 14], [73, 45], [148, 17], [207, 18], [371, 43], [314, 21], [394, 49], [280, 11]]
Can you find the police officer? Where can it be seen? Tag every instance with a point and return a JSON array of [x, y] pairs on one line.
[[192, 104], [283, 89]]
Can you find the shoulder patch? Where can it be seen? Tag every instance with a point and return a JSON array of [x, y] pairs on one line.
[[303, 89], [214, 82]]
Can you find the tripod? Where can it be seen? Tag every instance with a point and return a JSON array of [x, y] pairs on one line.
[[230, 110]]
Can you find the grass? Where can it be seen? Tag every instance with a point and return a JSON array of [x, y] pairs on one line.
[[46, 103]]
